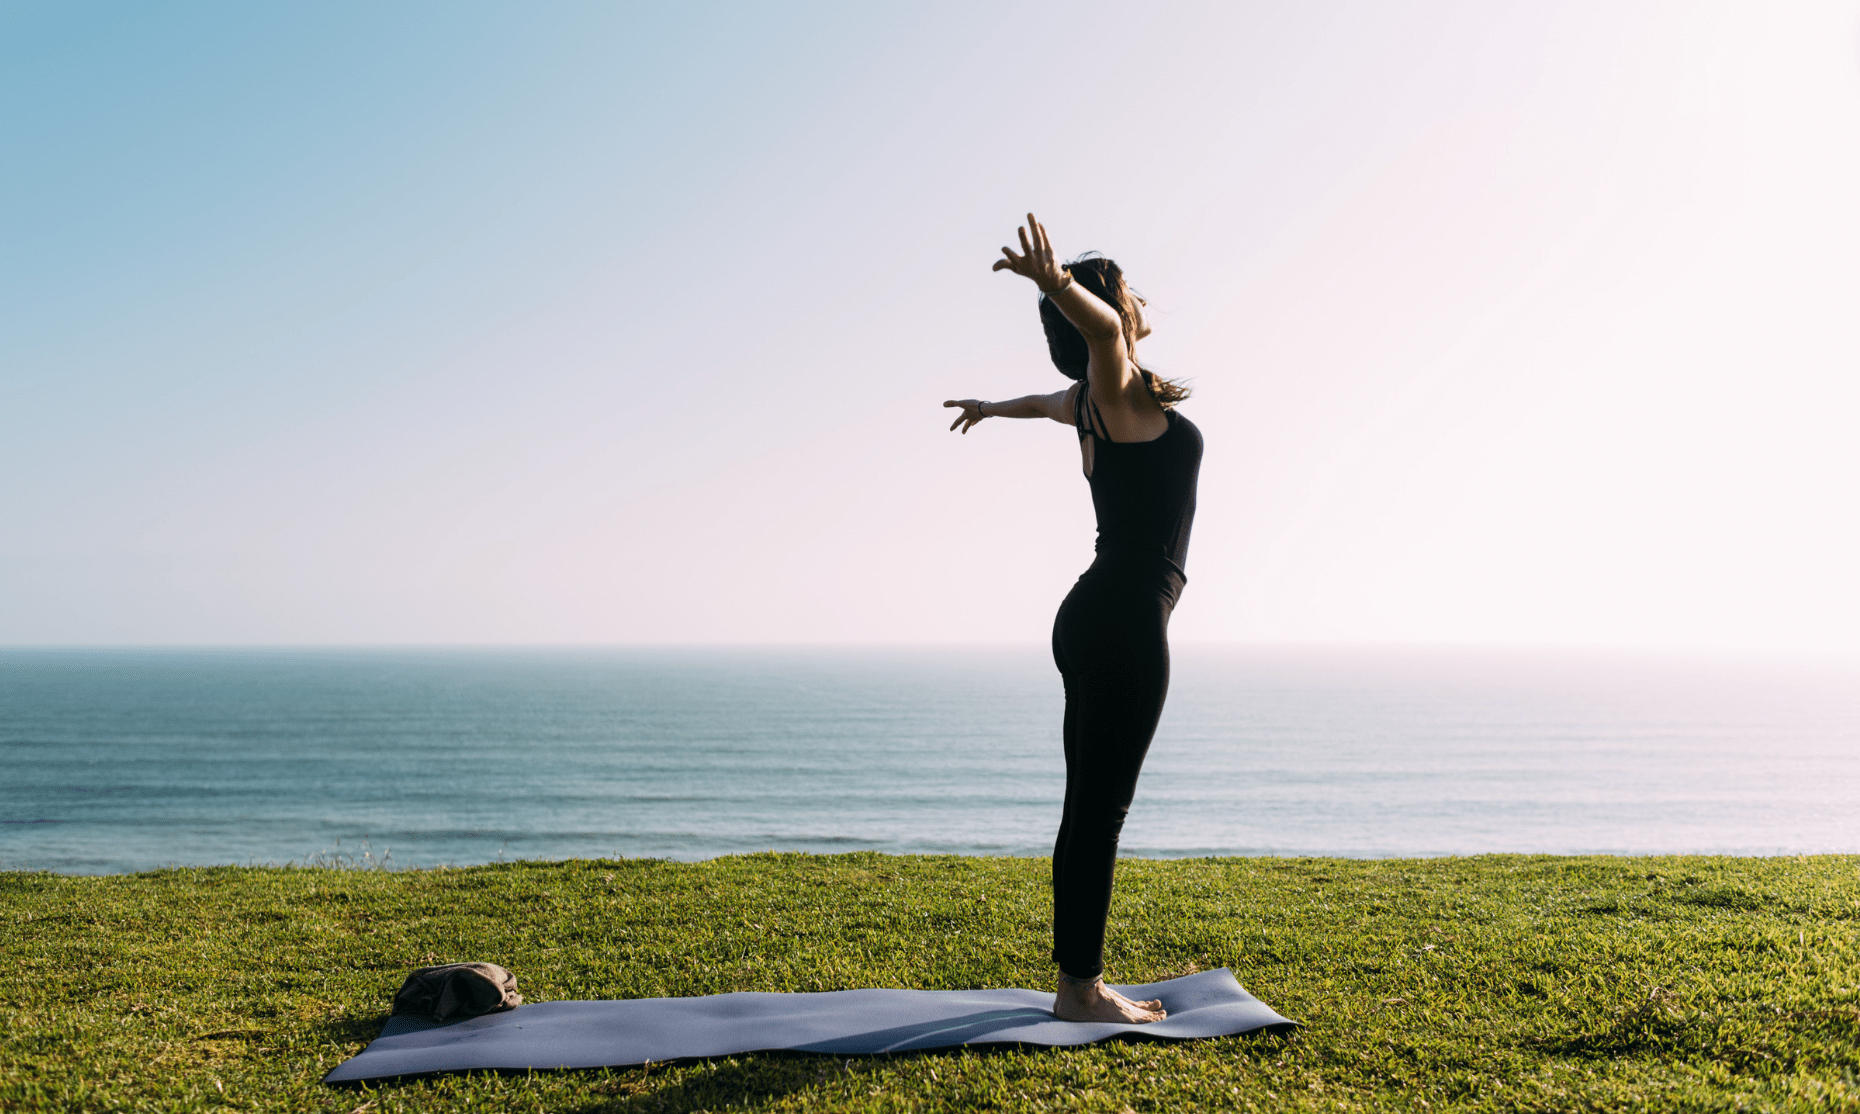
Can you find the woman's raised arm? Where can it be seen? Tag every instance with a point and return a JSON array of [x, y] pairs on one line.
[[1114, 380]]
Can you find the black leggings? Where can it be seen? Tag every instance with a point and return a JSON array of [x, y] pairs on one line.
[[1111, 643]]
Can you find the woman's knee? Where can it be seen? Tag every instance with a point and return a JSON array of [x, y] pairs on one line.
[[1100, 825]]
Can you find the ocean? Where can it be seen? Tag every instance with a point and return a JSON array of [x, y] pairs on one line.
[[125, 760]]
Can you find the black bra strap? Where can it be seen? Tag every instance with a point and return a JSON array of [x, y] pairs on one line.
[[1085, 415]]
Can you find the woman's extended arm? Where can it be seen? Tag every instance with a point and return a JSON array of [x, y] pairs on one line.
[[1026, 406], [1116, 385], [1097, 322]]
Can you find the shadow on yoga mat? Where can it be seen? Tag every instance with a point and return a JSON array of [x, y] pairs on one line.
[[839, 1022]]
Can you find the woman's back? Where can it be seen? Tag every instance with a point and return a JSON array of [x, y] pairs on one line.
[[1143, 493]]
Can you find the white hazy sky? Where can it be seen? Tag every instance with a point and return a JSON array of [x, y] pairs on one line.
[[1534, 322]]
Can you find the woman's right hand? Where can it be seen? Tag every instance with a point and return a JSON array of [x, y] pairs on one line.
[[1036, 260], [971, 412]]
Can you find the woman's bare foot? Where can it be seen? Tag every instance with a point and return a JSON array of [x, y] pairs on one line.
[[1091, 1000]]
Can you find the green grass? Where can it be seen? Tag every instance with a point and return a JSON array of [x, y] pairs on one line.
[[1493, 983]]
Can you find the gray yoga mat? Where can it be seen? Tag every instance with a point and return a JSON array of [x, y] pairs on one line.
[[838, 1022]]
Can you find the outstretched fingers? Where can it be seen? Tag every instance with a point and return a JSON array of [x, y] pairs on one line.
[[967, 415], [1036, 253]]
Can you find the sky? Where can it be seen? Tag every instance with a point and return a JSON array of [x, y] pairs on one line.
[[361, 323]]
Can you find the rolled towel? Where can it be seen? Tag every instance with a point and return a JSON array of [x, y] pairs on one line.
[[454, 991]]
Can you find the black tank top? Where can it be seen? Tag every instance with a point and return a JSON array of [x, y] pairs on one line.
[[1144, 495]]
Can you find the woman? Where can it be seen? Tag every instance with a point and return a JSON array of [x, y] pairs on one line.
[[1110, 639]]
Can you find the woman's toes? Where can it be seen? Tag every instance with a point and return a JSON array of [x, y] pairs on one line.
[[1152, 1004]]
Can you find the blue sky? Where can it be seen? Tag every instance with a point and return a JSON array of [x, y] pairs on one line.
[[610, 323]]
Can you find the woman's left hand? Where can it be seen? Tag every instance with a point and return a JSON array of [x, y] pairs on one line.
[[1036, 260], [971, 412]]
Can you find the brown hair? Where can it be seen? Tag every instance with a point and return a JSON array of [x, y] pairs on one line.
[[1066, 344]]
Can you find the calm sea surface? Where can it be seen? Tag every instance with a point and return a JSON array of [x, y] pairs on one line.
[[124, 760]]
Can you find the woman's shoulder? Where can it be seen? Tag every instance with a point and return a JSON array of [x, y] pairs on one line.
[[1181, 427]]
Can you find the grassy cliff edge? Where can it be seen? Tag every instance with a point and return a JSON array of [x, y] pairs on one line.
[[1487, 983]]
